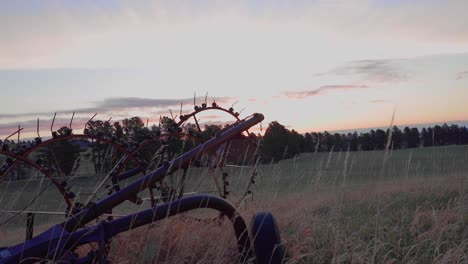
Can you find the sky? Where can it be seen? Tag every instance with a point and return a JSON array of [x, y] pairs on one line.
[[310, 65]]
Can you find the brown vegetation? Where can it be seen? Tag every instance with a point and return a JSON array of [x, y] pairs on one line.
[[412, 221]]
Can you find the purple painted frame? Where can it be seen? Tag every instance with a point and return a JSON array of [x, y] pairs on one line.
[[67, 235]]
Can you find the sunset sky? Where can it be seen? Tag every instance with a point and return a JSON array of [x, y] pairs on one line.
[[311, 65]]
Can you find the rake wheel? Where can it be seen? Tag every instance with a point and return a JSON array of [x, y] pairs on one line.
[[241, 153], [267, 239], [132, 160]]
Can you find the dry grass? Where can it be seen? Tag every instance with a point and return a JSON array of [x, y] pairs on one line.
[[412, 221], [366, 208], [177, 240]]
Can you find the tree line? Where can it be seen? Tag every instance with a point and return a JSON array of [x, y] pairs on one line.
[[277, 143], [280, 142]]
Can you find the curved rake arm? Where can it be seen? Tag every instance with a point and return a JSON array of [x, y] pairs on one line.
[[56, 243]]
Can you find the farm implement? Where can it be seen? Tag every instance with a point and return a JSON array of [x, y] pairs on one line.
[[58, 243]]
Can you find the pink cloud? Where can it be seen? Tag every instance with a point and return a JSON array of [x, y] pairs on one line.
[[322, 90], [30, 126], [119, 105]]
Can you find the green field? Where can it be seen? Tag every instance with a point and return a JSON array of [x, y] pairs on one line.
[[404, 206]]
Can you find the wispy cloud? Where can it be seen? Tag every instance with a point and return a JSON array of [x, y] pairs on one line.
[[321, 90], [118, 106], [128, 102], [30, 125], [462, 75], [379, 71]]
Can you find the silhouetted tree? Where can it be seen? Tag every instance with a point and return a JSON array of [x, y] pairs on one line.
[[295, 143], [328, 141], [275, 142], [309, 144], [411, 137], [426, 135], [353, 140], [464, 136], [416, 137], [454, 135], [102, 129], [60, 156], [365, 142], [134, 129], [379, 139], [437, 136], [118, 131], [397, 138]]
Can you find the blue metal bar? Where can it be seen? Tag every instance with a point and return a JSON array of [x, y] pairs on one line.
[[183, 205], [56, 243], [129, 173]]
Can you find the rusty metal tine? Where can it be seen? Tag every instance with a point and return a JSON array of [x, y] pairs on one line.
[[52, 125], [37, 128], [17, 131], [71, 120], [86, 125]]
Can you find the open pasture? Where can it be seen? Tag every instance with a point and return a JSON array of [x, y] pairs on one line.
[[345, 207]]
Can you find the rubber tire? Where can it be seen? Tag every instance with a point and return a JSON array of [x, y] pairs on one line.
[[266, 239]]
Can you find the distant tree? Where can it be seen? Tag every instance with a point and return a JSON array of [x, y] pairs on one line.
[[210, 131], [295, 143], [340, 141], [427, 137], [275, 142], [102, 129], [118, 131], [438, 136], [134, 129], [168, 124], [372, 136], [380, 139], [445, 135], [328, 141], [60, 156], [397, 138], [320, 146], [309, 144], [464, 136], [365, 142], [416, 137], [411, 137], [454, 135], [353, 140]]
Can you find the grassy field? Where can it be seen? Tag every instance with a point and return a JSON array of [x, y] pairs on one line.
[[405, 206]]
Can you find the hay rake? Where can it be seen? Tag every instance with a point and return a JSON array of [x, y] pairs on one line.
[[59, 242]]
